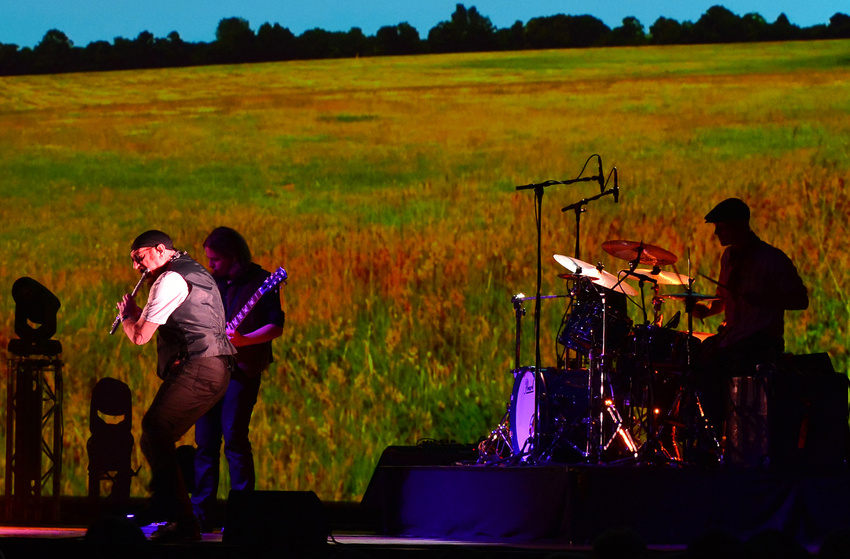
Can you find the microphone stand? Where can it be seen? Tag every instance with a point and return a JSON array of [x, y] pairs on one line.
[[538, 207], [596, 391], [579, 208]]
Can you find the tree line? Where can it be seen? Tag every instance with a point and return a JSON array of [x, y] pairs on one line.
[[466, 31]]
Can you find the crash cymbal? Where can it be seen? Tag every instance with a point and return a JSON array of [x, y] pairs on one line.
[[584, 270], [692, 295], [609, 281], [662, 277], [644, 253], [577, 267]]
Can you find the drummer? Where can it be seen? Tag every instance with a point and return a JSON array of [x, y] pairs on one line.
[[757, 284]]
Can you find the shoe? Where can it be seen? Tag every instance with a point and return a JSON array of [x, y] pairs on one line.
[[148, 516], [182, 531], [210, 528]]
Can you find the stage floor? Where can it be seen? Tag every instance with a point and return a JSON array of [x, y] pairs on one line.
[[499, 511], [22, 541]]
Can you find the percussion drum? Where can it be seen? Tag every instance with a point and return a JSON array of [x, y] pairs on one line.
[[583, 330], [662, 346], [564, 404]]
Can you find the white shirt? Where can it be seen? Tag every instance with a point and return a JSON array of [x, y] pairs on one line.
[[167, 293]]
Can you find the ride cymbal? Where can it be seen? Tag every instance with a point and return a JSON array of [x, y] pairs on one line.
[[640, 251]]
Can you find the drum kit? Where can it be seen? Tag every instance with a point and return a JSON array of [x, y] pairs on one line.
[[623, 390]]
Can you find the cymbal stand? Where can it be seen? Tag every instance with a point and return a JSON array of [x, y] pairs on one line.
[[648, 420], [688, 403], [602, 403]]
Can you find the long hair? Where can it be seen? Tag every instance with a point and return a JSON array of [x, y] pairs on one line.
[[229, 243]]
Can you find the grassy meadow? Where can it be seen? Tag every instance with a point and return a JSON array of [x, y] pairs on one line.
[[386, 188]]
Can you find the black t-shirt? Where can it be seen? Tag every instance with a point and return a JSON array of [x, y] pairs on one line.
[[252, 359]]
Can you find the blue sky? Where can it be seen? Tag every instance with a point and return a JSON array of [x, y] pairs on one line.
[[24, 22]]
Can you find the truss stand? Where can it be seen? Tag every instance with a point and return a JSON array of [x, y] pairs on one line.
[[33, 431]]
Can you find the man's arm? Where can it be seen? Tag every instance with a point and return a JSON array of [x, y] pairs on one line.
[[139, 330], [714, 307], [263, 334], [167, 293]]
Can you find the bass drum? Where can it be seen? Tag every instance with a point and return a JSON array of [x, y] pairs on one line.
[[564, 404]]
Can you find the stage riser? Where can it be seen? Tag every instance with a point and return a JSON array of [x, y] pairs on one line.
[[575, 504]]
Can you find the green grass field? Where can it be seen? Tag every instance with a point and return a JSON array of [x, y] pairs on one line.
[[386, 188]]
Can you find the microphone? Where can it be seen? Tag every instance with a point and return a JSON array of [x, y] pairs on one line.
[[642, 277], [616, 188], [601, 176]]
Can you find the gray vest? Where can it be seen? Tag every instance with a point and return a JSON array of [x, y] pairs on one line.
[[197, 327]]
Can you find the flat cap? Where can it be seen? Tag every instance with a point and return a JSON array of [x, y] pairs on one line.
[[731, 209]]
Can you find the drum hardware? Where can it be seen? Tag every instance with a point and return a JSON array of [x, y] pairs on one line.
[[519, 312], [601, 404], [664, 358], [496, 447], [686, 411], [538, 197]]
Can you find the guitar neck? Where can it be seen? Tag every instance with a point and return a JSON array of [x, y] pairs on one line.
[[240, 316], [271, 282]]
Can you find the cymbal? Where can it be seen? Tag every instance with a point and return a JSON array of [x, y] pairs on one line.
[[609, 281], [684, 296], [662, 277], [580, 270], [577, 267], [633, 250], [701, 336]]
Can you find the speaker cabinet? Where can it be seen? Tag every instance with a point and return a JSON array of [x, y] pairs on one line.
[[283, 519]]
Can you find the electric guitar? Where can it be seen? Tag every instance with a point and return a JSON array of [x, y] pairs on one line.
[[278, 277]]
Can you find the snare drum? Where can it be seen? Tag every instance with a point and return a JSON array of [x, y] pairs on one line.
[[564, 404]]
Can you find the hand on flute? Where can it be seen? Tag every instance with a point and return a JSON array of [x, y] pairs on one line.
[[128, 309]]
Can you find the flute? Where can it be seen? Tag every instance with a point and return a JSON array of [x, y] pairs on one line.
[[119, 318]]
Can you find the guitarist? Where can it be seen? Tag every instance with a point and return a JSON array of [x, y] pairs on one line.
[[238, 279]]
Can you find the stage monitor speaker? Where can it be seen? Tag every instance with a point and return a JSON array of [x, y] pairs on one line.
[[282, 519], [373, 503]]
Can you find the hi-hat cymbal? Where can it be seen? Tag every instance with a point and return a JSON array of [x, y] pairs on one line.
[[662, 277], [644, 253], [692, 295], [580, 270]]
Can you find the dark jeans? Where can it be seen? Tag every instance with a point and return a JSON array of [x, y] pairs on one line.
[[183, 397], [228, 419]]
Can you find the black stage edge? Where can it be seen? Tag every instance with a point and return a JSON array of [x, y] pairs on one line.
[[574, 504]]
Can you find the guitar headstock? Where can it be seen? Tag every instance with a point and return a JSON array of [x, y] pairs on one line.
[[279, 276]]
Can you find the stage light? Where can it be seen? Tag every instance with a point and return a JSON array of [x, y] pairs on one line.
[[35, 317]]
